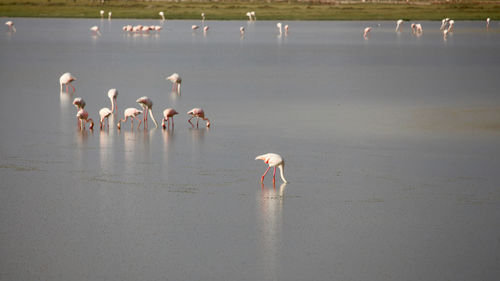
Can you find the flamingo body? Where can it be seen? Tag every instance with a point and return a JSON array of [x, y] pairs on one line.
[[132, 114], [167, 115], [104, 113], [147, 104], [83, 117], [198, 113], [273, 160], [176, 80], [66, 79]]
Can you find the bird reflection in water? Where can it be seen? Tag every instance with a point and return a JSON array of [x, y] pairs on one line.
[[270, 202], [105, 149]]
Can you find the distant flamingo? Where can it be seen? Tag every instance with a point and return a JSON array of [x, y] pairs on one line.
[[242, 30], [104, 113], [249, 15], [398, 25], [286, 29], [278, 25], [132, 113], [79, 103], [11, 26], [252, 13], [418, 28], [109, 15], [202, 17], [194, 27], [83, 116], [205, 29], [445, 34], [113, 94], [273, 160], [162, 15], [487, 23], [167, 115], [451, 25], [95, 29], [176, 80], [147, 104], [66, 79], [444, 22], [101, 12], [367, 32], [198, 113]]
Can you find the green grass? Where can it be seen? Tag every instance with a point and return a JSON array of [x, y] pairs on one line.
[[236, 10]]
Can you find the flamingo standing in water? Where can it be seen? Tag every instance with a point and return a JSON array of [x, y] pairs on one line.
[[167, 115], [83, 117], [202, 17], [205, 29], [132, 113], [286, 29], [249, 15], [252, 14], [278, 25], [398, 25], [66, 79], [104, 113], [176, 82], [451, 25], [273, 160], [198, 113], [147, 104], [79, 103], [487, 23], [11, 26], [194, 27], [101, 12], [113, 94], [95, 29], [242, 31], [367, 32], [162, 15], [109, 15]]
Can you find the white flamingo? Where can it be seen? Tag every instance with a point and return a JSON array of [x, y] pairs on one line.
[[273, 160]]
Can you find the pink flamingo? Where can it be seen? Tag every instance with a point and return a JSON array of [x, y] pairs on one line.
[[176, 81], [398, 25], [194, 27], [79, 103], [104, 113], [83, 116], [273, 160], [242, 31], [167, 114], [146, 104], [113, 94], [66, 79], [132, 113], [367, 32], [198, 113], [95, 29], [162, 15], [101, 12], [11, 26], [487, 23]]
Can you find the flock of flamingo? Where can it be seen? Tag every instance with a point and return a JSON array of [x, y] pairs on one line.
[[272, 159]]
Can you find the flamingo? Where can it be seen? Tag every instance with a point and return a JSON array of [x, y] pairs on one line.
[[167, 114], [113, 94], [205, 29], [83, 116], [79, 103], [147, 104], [109, 15], [95, 29], [104, 113], [10, 25], [278, 25], [418, 28], [443, 24], [198, 113], [162, 15], [132, 113], [445, 34], [273, 160], [194, 27], [242, 31], [286, 29], [249, 15], [176, 80], [451, 25], [487, 23], [66, 79], [398, 25], [252, 13], [101, 12], [367, 32], [202, 17]]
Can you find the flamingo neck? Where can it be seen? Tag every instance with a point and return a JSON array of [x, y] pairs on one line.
[[152, 117], [282, 172]]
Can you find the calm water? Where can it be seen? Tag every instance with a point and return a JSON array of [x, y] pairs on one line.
[[391, 147]]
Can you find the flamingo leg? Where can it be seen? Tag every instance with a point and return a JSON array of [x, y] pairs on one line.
[[274, 175], [197, 121], [72, 88], [262, 179], [172, 122], [132, 124], [189, 121]]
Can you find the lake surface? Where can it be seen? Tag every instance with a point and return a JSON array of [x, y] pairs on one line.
[[391, 147]]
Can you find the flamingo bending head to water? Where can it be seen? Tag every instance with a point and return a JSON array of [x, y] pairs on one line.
[[242, 30], [176, 80], [167, 115], [104, 113], [66, 79], [10, 25], [487, 23], [112, 95], [162, 15], [398, 25], [147, 104], [273, 160], [83, 117], [367, 32], [132, 113], [194, 27], [279, 25], [101, 12], [198, 113], [95, 29]]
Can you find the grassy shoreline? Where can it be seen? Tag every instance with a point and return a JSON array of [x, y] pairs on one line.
[[236, 10]]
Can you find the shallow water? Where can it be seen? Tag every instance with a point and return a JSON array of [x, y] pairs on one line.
[[390, 143]]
